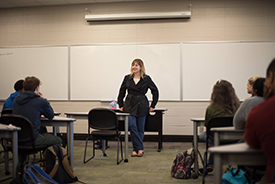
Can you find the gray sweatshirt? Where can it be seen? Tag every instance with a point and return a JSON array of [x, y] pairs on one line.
[[243, 111]]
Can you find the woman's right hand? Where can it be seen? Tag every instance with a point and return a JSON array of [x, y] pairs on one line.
[[121, 109]]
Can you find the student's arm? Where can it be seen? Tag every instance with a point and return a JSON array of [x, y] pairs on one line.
[[154, 91], [122, 92], [250, 136], [47, 110]]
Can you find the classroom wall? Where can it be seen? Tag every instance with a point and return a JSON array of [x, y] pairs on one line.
[[212, 20]]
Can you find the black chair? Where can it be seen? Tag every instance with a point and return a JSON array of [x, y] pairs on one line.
[[6, 111], [26, 138], [105, 125], [218, 121]]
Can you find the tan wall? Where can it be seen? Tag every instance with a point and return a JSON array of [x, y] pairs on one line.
[[212, 20]]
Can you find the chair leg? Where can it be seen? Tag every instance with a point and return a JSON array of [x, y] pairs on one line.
[[86, 144], [7, 171], [34, 158], [93, 148], [121, 149], [117, 154], [204, 167], [6, 155], [103, 142], [118, 140]]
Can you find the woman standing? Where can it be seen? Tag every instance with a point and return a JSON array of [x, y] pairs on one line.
[[137, 84]]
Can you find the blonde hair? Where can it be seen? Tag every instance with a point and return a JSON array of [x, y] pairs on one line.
[[142, 68], [251, 80]]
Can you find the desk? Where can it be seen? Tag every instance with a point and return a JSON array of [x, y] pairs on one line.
[[226, 133], [120, 116], [11, 133], [154, 123], [239, 154], [69, 123], [196, 123]]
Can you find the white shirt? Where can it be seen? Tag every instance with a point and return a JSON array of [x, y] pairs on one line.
[[136, 80]]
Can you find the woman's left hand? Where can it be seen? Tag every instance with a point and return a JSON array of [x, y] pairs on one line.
[[151, 109]]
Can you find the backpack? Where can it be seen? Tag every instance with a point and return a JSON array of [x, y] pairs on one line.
[[33, 174], [234, 176], [56, 165], [181, 167]]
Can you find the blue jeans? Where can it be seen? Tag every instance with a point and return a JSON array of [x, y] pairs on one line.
[[136, 126], [202, 137]]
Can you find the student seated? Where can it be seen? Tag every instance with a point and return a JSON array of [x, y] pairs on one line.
[[250, 83], [32, 104], [260, 124], [18, 86], [257, 98], [224, 101]]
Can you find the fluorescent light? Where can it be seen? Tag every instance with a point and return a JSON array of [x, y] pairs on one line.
[[138, 16]]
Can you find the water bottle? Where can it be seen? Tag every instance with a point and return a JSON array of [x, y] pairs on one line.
[[113, 104]]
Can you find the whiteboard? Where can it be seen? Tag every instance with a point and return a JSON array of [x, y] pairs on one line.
[[97, 71], [49, 64], [206, 63]]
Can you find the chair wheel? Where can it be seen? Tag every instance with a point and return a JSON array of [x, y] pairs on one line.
[[195, 176], [7, 173], [104, 154]]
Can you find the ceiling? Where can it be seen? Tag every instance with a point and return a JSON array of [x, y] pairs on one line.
[[28, 3]]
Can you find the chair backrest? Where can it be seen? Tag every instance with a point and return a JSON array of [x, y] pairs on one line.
[[26, 134], [6, 111], [102, 119], [218, 121]]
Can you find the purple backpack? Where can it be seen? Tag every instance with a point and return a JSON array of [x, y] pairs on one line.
[[181, 168]]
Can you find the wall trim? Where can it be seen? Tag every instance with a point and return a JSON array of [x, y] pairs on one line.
[[149, 138]]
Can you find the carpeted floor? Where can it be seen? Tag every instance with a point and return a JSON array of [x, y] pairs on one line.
[[154, 167]]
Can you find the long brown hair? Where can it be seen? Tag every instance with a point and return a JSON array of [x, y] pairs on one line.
[[142, 68], [224, 97]]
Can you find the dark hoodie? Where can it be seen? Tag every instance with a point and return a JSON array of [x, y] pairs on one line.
[[32, 106]]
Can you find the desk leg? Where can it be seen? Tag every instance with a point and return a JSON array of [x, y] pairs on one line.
[[216, 139], [218, 168], [7, 159], [126, 138], [15, 152], [195, 142], [70, 146], [54, 131]]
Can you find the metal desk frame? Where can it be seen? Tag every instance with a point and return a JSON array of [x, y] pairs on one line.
[[58, 121], [121, 116], [239, 154], [11, 133], [196, 123]]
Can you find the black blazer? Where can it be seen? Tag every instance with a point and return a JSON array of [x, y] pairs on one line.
[[136, 103]]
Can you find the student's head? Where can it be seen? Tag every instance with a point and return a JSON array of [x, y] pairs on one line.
[[138, 66], [269, 85], [18, 86], [224, 97], [258, 87], [31, 83], [250, 83]]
